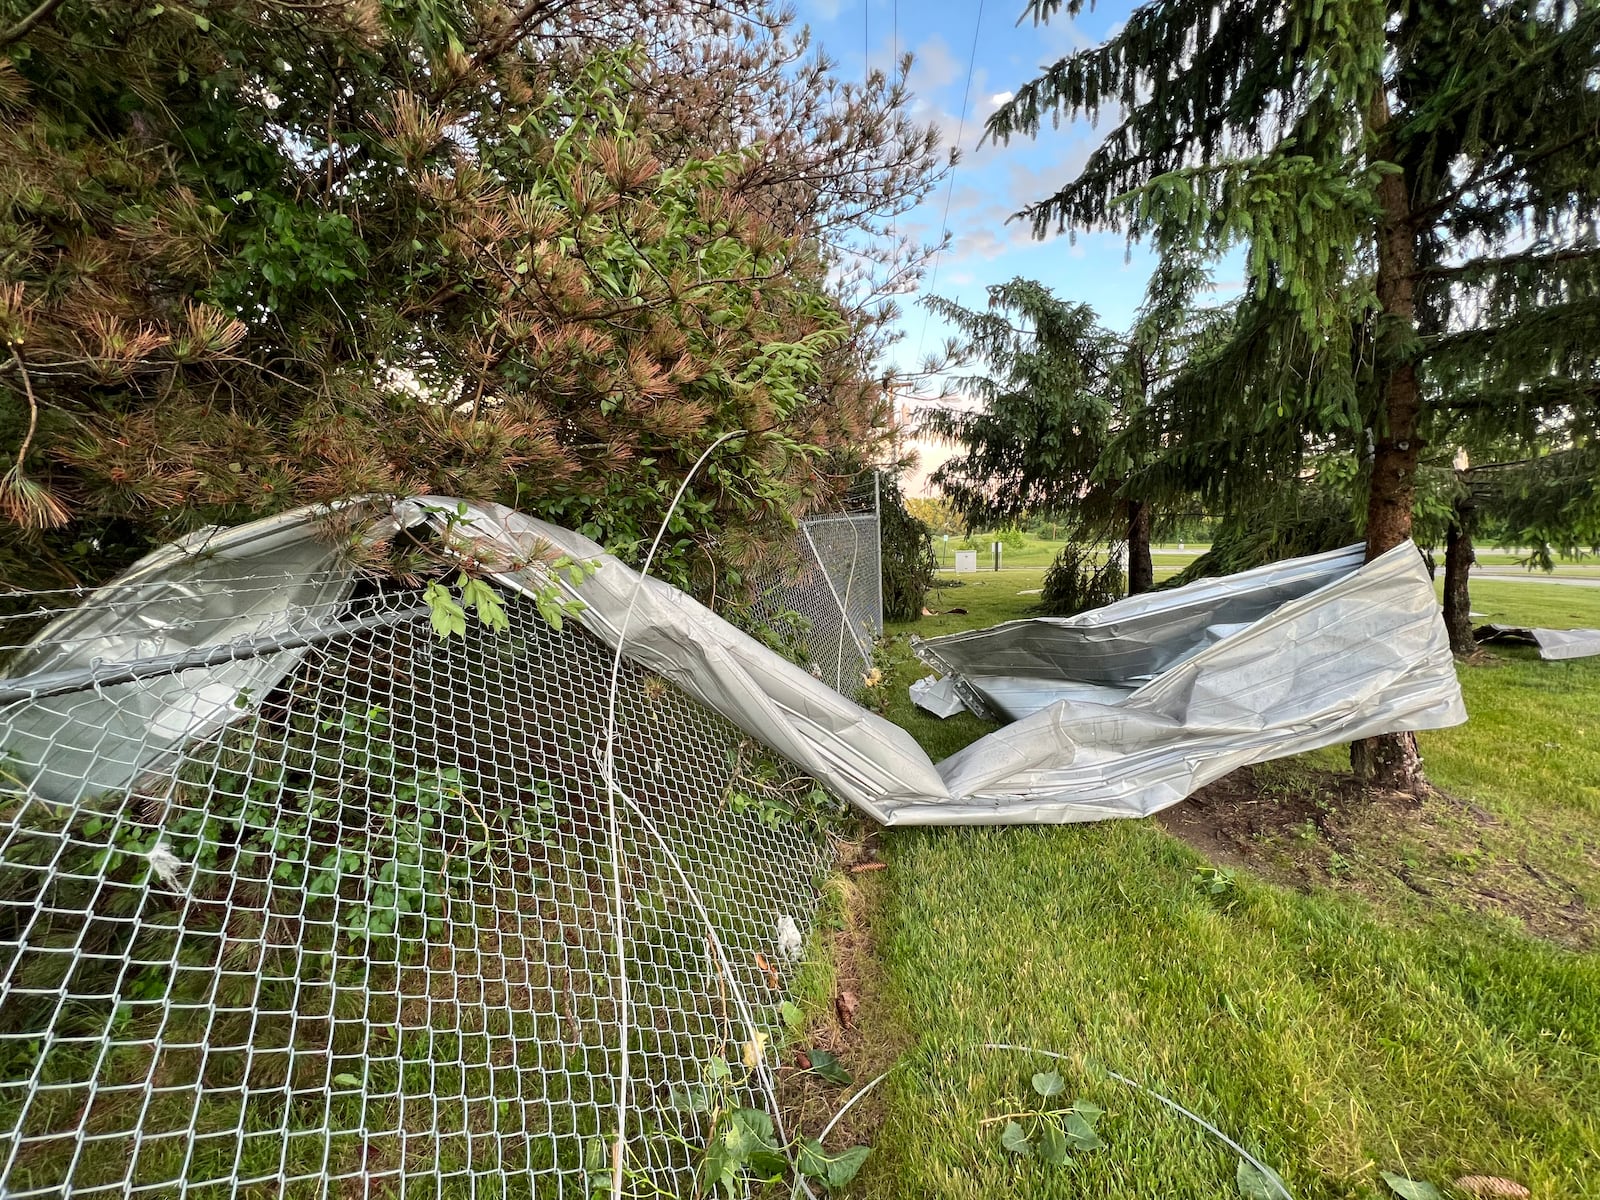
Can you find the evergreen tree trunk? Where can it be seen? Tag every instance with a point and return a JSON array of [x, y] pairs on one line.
[[1458, 560], [1391, 759], [1141, 570]]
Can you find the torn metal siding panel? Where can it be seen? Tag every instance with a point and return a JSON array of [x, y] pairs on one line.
[[255, 584], [1119, 712], [871, 762], [1555, 645], [1361, 655], [1010, 670]]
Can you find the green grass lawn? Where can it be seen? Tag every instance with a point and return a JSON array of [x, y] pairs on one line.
[[1381, 1005]]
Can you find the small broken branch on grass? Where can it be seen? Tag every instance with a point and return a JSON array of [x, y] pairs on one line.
[[1010, 1116]]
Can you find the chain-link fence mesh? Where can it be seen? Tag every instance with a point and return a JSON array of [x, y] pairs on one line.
[[358, 939], [826, 606]]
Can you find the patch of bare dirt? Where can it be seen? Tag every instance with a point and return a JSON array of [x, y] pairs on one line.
[[1305, 828]]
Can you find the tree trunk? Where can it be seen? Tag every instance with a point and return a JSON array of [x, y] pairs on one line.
[[1458, 560], [1141, 570], [1391, 760]]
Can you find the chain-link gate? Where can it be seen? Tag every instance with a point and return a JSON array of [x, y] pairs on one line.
[[826, 608], [359, 940]]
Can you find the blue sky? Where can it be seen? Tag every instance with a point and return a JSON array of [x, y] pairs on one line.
[[993, 181]]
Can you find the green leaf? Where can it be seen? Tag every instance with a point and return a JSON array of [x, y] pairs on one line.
[[346, 1080], [1053, 1145], [842, 1167], [828, 1067], [834, 1170], [1049, 1083], [1259, 1183], [1014, 1140], [1410, 1189], [811, 1160], [487, 603], [446, 616], [1080, 1132], [1089, 1111], [749, 1130], [692, 1099], [791, 1016], [721, 1166]]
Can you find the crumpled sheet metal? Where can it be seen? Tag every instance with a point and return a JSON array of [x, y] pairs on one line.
[[937, 696], [1009, 671], [1354, 650], [1555, 645], [1182, 687], [183, 597], [861, 757]]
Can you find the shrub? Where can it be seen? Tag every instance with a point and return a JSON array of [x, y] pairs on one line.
[[908, 558], [1076, 582]]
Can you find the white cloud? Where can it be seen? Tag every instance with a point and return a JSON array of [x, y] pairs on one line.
[[826, 10], [932, 67], [999, 98]]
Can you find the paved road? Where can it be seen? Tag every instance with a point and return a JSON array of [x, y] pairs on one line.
[[1523, 577]]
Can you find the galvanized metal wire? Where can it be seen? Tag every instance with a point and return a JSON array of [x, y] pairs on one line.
[[827, 608], [354, 936]]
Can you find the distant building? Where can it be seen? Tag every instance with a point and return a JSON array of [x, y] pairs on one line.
[[930, 455]]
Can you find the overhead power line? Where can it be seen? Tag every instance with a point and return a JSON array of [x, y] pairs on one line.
[[950, 183]]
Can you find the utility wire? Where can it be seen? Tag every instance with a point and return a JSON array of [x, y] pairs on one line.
[[950, 184]]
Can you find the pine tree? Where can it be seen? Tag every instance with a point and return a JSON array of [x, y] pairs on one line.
[[259, 254], [1057, 432], [1416, 187]]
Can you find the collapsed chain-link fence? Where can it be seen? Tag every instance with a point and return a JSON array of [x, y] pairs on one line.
[[358, 939], [824, 603]]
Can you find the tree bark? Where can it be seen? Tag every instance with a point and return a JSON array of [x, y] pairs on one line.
[[1458, 560], [1391, 760], [1141, 569]]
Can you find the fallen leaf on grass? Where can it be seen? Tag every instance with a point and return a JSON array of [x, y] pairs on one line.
[[827, 1067], [1410, 1189], [846, 1004], [1492, 1185], [1259, 1183]]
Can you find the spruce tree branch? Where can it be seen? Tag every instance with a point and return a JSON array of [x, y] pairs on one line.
[[1542, 258], [1509, 171], [21, 28]]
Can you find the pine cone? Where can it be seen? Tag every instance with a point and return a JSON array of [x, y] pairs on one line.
[[1492, 1185]]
